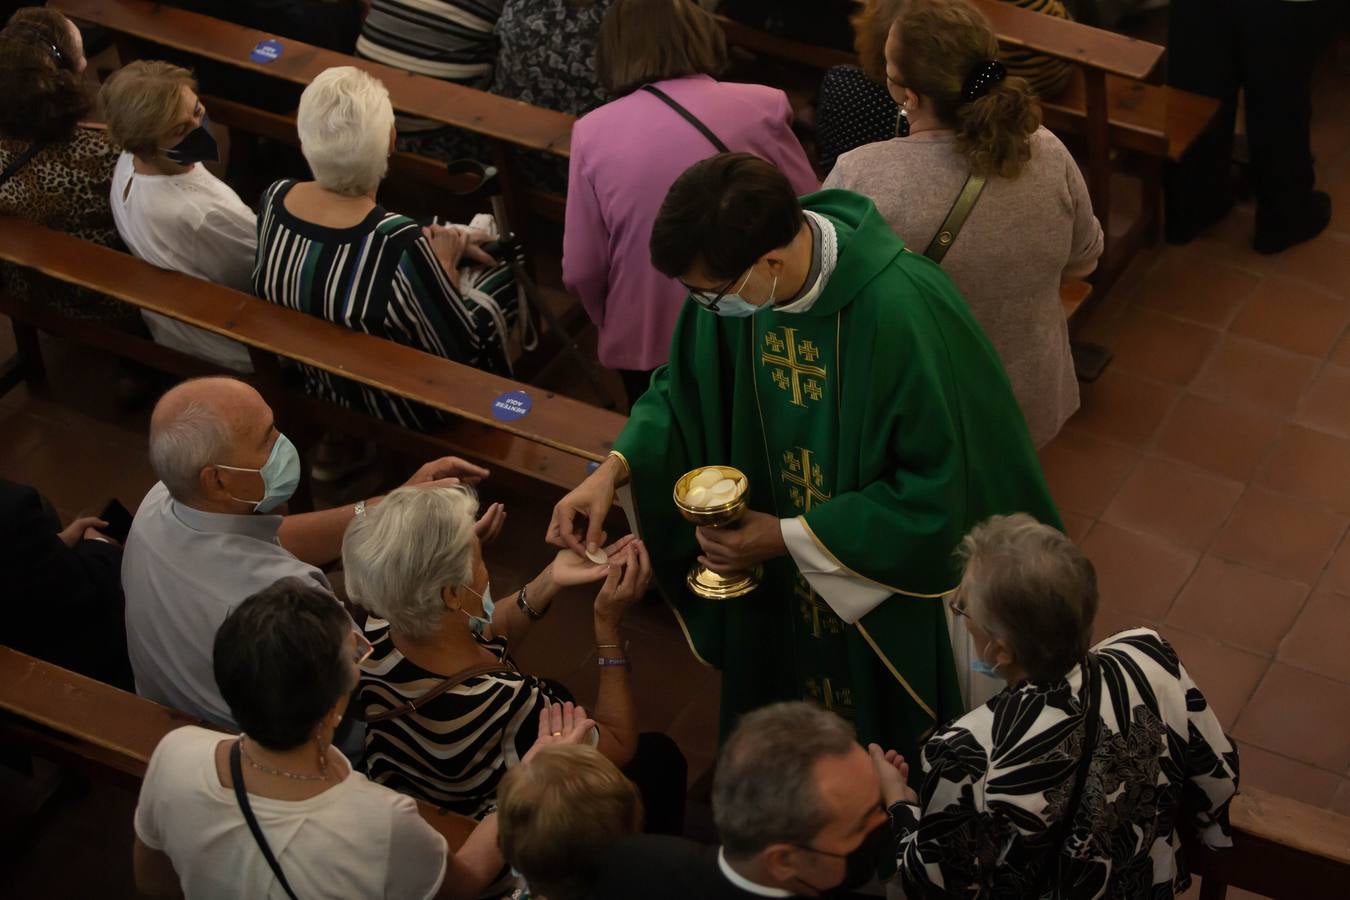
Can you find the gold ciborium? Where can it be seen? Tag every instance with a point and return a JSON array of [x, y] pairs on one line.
[[704, 498]]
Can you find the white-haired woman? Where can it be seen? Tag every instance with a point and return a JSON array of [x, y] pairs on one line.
[[445, 705], [326, 247], [1073, 781]]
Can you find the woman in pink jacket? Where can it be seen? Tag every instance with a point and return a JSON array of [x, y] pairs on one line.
[[658, 57]]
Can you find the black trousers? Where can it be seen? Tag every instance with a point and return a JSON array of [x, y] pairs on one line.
[[1268, 49]]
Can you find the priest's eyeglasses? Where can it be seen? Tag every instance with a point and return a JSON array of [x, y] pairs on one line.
[[710, 300]]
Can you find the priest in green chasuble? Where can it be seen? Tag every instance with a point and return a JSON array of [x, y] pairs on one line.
[[847, 379]]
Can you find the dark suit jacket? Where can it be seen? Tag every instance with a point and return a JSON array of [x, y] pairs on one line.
[[656, 867], [59, 603]]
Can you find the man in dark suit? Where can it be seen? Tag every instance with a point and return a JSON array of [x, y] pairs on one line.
[[797, 803], [63, 590]]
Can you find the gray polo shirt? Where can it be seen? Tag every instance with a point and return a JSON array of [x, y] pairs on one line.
[[182, 571]]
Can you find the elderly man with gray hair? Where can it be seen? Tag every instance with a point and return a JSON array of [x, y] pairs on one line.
[[797, 804], [213, 532], [1072, 781]]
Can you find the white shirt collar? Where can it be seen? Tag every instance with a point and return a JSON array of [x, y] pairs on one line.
[[829, 258], [744, 883]]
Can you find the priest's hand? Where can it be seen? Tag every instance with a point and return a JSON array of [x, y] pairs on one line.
[[578, 522], [732, 549]]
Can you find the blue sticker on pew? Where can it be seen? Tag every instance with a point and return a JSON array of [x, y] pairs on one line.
[[267, 51], [511, 406]]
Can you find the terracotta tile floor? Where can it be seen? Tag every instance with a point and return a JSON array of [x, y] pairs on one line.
[[1208, 476]]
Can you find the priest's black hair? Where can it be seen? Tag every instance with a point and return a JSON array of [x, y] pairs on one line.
[[724, 213]]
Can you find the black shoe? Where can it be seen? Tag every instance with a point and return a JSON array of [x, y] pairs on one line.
[[1306, 225]]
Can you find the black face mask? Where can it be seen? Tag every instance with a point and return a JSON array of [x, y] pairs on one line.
[[861, 865], [198, 146]]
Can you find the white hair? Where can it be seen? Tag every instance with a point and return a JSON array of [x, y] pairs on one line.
[[400, 554], [180, 448], [344, 121]]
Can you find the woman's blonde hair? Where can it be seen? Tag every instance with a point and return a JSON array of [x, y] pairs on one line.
[[559, 813], [940, 43], [141, 101], [344, 122]]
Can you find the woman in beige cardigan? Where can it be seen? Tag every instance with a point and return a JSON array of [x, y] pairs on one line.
[[1031, 227]]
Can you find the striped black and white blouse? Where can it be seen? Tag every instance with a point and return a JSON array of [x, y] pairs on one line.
[[453, 750], [380, 277], [447, 39]]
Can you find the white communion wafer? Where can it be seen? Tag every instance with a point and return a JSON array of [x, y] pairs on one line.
[[717, 497], [726, 484], [697, 496], [706, 479], [597, 556]]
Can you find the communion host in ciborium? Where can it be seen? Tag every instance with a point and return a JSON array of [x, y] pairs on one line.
[[874, 424]]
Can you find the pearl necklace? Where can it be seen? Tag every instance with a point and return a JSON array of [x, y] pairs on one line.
[[282, 773]]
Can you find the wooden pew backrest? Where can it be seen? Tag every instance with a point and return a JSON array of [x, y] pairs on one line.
[[478, 111], [580, 431]]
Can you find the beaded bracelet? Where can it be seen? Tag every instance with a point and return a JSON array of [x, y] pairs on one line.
[[617, 661]]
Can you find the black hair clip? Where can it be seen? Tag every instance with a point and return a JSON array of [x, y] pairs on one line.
[[981, 79]]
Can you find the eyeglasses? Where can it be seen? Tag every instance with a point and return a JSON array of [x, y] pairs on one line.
[[709, 300], [957, 605], [362, 649]]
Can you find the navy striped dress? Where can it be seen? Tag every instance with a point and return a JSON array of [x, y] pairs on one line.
[[380, 277]]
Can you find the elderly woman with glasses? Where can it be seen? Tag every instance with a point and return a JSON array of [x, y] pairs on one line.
[[286, 660], [443, 700], [1073, 781]]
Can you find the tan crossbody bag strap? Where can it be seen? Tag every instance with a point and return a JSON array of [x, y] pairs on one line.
[[951, 226], [456, 679]]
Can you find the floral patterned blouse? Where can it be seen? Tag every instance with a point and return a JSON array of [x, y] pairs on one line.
[[546, 53], [997, 781]]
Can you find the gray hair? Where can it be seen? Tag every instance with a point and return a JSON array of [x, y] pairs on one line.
[[344, 120], [764, 787], [400, 554], [180, 448], [1027, 584]]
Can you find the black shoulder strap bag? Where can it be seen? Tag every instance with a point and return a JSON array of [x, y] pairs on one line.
[[21, 160], [237, 776], [688, 117], [956, 217], [1092, 717]]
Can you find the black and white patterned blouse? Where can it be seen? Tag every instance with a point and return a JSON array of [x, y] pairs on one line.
[[997, 780], [546, 53]]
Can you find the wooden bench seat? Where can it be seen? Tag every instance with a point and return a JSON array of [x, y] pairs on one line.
[[554, 443], [78, 720]]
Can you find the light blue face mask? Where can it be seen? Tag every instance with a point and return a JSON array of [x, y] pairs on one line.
[[984, 668], [734, 306], [479, 624], [280, 475]]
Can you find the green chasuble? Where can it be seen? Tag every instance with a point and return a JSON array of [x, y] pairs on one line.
[[883, 417]]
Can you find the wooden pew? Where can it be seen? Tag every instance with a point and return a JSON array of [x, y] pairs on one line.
[[1282, 848], [554, 443], [1072, 296], [1109, 103], [109, 732]]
